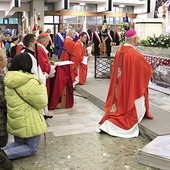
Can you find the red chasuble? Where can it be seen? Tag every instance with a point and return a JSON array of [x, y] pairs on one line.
[[68, 45], [43, 60], [129, 81], [79, 52]]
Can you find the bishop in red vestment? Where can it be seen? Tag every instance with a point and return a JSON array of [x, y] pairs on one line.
[[127, 101]]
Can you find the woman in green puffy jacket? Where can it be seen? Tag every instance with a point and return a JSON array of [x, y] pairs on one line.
[[26, 97]]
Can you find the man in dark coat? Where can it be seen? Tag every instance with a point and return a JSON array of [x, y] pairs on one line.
[[97, 42], [109, 40], [3, 115]]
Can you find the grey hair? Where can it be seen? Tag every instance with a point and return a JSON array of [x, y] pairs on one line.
[[130, 39], [71, 31]]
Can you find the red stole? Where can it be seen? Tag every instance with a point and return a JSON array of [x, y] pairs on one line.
[[44, 63], [97, 36], [109, 36]]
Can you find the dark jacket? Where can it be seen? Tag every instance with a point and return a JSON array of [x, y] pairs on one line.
[[3, 109], [96, 40]]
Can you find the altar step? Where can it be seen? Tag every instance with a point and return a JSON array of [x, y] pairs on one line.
[[159, 88], [95, 90], [156, 154]]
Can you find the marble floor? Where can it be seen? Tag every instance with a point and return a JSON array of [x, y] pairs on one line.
[[83, 117]]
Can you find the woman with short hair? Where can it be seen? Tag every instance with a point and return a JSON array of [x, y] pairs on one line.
[[26, 98]]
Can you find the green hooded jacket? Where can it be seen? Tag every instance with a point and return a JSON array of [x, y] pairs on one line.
[[25, 109]]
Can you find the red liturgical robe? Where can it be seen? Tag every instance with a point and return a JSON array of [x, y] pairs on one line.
[[44, 63], [68, 45], [129, 81], [43, 60], [79, 69]]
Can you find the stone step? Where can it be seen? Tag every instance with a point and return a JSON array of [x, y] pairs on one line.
[[95, 90], [156, 154]]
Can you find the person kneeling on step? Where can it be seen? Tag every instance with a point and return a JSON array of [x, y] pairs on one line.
[[26, 97]]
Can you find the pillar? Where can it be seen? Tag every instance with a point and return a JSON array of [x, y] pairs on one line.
[[37, 8]]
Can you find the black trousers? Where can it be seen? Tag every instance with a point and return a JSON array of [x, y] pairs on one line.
[[108, 47], [3, 140], [96, 50]]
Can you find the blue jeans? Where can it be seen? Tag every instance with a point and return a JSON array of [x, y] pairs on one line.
[[22, 147]]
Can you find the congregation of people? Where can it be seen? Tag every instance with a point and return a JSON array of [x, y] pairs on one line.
[[29, 76], [62, 46], [32, 81]]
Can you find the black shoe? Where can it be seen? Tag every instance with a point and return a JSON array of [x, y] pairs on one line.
[[5, 161], [46, 117]]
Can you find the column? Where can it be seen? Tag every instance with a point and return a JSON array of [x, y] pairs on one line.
[[37, 8]]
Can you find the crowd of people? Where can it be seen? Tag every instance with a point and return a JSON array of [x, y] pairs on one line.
[[62, 45], [27, 83], [32, 82], [90, 43]]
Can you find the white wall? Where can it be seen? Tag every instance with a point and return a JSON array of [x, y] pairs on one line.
[[4, 6], [148, 27], [61, 5], [151, 14], [101, 7], [105, 6], [2, 14]]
